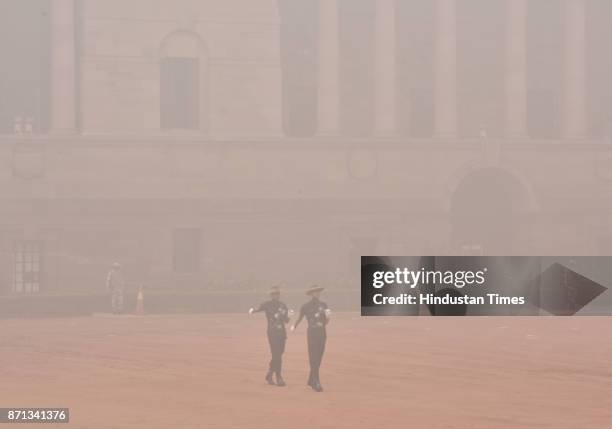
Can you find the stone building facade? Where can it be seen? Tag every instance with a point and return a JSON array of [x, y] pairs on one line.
[[238, 143]]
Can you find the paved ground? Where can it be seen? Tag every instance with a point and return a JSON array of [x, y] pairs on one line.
[[207, 372]]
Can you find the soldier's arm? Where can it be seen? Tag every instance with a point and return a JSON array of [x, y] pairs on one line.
[[258, 309], [327, 313]]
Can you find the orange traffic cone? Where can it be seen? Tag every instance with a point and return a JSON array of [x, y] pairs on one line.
[[140, 301]]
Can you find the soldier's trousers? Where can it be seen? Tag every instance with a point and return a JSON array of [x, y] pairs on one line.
[[316, 347], [117, 300], [277, 348]]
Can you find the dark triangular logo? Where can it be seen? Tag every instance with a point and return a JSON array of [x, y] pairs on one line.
[[562, 291]]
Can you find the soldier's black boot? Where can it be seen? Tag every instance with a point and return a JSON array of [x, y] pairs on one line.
[[279, 380], [269, 378], [316, 384]]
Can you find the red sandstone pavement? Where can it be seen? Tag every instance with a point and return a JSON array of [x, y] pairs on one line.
[[207, 372]]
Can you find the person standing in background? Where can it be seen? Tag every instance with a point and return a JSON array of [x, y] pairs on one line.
[[115, 284], [317, 314], [277, 315]]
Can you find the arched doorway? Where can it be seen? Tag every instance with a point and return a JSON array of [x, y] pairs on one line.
[[489, 210]]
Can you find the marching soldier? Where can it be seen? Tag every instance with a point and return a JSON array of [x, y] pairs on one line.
[[277, 315], [115, 283], [317, 314]]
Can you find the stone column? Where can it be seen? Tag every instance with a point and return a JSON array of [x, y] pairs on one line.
[[385, 69], [574, 108], [445, 70], [516, 68], [63, 67], [329, 90]]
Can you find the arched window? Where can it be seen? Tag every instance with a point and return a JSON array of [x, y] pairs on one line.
[[182, 90]]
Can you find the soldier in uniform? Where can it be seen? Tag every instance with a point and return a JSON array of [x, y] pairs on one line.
[[115, 284], [277, 315], [317, 314]]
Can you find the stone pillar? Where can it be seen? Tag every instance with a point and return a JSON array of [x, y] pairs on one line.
[[63, 67], [385, 69], [445, 70], [574, 104], [329, 90], [516, 68]]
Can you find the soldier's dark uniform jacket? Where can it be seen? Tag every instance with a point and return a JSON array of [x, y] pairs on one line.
[[277, 315], [314, 312]]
